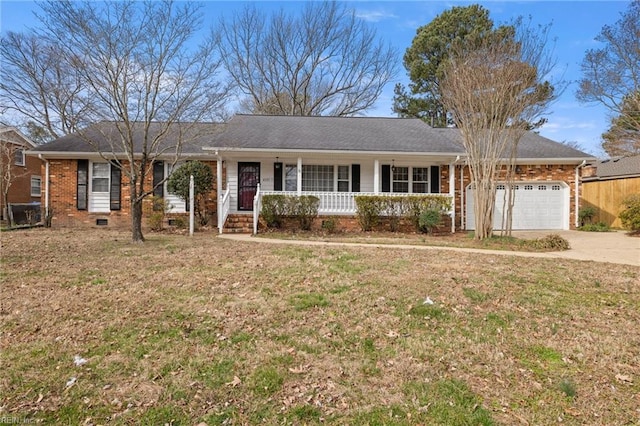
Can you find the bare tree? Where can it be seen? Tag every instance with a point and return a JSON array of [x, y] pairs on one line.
[[611, 77], [8, 173], [141, 69], [493, 91], [623, 136], [323, 62], [41, 89]]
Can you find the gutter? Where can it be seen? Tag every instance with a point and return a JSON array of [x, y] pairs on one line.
[[46, 184], [577, 192]]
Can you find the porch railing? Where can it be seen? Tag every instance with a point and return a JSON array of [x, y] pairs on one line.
[[340, 203], [223, 209]]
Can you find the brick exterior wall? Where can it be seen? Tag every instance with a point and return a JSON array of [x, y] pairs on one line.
[[63, 199], [20, 189]]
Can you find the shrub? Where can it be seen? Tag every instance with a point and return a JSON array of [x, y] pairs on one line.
[[156, 219], [595, 227], [274, 208], [305, 209], [368, 210], [417, 204], [630, 216], [178, 183], [330, 225], [429, 219], [586, 214], [551, 242]]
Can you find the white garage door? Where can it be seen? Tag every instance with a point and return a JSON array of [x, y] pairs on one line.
[[538, 205]]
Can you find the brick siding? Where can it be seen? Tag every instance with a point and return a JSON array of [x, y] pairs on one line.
[[63, 198]]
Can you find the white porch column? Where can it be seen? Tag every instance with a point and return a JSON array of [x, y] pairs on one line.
[[299, 176], [452, 194], [219, 192], [376, 176]]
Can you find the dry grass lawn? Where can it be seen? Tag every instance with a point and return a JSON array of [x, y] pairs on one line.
[[196, 330]]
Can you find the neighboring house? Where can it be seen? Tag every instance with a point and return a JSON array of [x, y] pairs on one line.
[[333, 158], [20, 175], [607, 183]]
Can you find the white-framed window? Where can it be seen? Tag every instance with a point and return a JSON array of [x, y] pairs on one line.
[[290, 177], [317, 178], [100, 177], [99, 183], [420, 180], [19, 157], [36, 186], [400, 179], [343, 179]]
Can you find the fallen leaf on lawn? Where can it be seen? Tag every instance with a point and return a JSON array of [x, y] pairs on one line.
[[298, 370], [624, 378], [573, 412], [235, 382]]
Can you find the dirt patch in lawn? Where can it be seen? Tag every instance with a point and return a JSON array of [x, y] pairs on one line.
[[182, 329]]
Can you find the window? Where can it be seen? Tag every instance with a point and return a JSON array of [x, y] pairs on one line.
[[100, 177], [343, 178], [36, 186], [420, 180], [400, 179], [19, 157], [317, 178], [291, 177]]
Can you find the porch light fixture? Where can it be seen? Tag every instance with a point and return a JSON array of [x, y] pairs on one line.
[[393, 166]]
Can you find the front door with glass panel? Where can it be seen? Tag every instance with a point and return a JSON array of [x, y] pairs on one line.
[[248, 179]]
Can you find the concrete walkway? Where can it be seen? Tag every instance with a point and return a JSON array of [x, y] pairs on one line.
[[612, 247]]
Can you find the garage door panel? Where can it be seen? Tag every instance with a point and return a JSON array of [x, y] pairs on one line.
[[536, 206]]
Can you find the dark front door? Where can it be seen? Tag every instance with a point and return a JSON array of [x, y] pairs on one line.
[[248, 179]]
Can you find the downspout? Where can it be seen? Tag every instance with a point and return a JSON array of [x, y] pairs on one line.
[[46, 185], [463, 216], [452, 192], [577, 192]]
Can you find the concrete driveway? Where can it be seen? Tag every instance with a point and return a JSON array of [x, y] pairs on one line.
[[614, 247]]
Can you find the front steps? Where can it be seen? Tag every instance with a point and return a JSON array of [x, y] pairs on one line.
[[239, 224]]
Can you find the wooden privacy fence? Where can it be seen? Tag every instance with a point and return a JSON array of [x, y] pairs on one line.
[[607, 196]]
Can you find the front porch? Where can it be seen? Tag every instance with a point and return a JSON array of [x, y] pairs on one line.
[[331, 204]]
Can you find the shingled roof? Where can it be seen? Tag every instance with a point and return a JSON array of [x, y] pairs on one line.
[[366, 134], [96, 137], [616, 168], [306, 134], [360, 134]]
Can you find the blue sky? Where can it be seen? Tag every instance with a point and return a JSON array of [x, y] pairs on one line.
[[575, 24]]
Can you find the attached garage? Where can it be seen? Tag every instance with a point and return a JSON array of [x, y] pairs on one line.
[[537, 205]]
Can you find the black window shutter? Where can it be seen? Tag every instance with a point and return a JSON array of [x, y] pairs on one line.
[[82, 185], [277, 176], [386, 178], [355, 178], [114, 190], [435, 179], [158, 175]]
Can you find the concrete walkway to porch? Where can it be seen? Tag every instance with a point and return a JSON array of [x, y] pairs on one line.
[[612, 247]]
